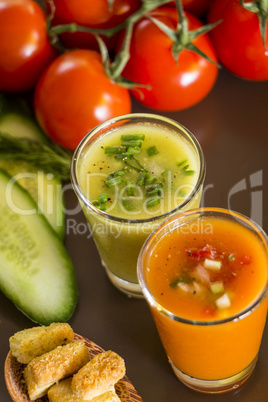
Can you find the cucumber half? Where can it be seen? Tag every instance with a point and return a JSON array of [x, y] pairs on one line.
[[45, 190], [20, 126], [43, 187], [36, 272]]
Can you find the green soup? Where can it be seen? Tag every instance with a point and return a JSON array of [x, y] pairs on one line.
[[134, 174]]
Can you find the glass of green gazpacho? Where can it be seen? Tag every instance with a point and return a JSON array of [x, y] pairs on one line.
[[130, 173]]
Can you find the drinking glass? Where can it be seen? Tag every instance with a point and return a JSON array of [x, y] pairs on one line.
[[208, 355], [119, 239]]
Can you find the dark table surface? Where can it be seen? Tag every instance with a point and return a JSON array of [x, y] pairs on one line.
[[231, 125]]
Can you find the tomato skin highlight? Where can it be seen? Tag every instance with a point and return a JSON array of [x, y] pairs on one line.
[[237, 40], [74, 95], [25, 50], [93, 14], [173, 86]]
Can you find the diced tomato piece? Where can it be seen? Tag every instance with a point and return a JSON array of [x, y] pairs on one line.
[[210, 311], [245, 260], [200, 253]]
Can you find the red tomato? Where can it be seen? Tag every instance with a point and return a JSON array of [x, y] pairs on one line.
[[94, 14], [74, 95], [24, 47], [196, 7], [237, 40], [174, 86]]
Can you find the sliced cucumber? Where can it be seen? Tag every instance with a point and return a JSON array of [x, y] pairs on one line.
[[16, 120], [36, 272], [213, 265], [217, 287], [45, 189], [20, 126]]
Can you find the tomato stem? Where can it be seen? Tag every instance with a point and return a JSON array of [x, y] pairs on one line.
[[111, 4], [73, 27], [182, 26], [259, 7], [115, 68], [181, 37]]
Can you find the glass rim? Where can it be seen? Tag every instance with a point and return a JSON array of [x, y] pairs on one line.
[[156, 305], [151, 116]]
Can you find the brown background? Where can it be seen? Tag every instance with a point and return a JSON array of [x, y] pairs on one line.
[[231, 125]]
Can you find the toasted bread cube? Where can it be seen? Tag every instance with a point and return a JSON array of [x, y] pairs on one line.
[[62, 392], [30, 343], [43, 371], [98, 375]]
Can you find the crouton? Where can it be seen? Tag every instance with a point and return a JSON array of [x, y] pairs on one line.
[[43, 371], [62, 392], [30, 343], [98, 375]]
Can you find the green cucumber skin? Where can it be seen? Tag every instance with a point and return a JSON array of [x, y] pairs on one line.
[[20, 125], [36, 272], [17, 119], [56, 218]]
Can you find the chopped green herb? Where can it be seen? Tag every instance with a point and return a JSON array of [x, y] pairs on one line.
[[131, 165], [149, 178], [103, 198], [153, 189], [131, 143], [153, 186], [185, 168], [182, 163], [152, 151], [138, 163], [122, 156], [141, 179], [153, 202], [114, 181], [130, 137], [156, 191], [189, 172], [114, 150], [134, 151], [117, 173], [102, 202], [130, 188]]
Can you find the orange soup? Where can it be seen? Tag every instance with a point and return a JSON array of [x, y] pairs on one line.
[[208, 275], [206, 272]]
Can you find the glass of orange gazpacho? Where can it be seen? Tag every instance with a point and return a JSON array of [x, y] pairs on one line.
[[204, 275], [130, 173]]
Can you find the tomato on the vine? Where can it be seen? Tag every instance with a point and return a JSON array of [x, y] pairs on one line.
[[237, 40], [93, 14], [196, 7], [174, 85], [74, 95], [25, 50]]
